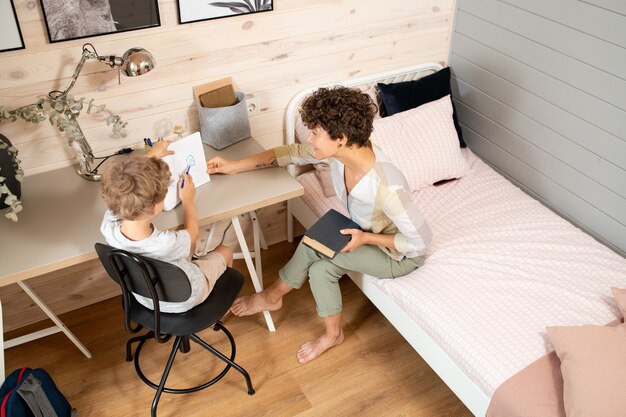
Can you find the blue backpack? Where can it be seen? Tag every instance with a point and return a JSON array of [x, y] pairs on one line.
[[32, 393]]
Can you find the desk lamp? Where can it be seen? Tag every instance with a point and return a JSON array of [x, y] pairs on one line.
[[134, 62]]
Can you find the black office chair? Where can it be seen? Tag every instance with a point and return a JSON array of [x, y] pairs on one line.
[[161, 281]]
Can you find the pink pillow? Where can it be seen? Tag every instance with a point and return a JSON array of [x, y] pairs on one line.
[[593, 365], [322, 172], [620, 297], [423, 143]]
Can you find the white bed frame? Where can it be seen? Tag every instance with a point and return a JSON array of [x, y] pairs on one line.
[[464, 388]]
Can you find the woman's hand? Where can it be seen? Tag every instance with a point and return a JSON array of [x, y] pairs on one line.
[[159, 149], [219, 165], [359, 238]]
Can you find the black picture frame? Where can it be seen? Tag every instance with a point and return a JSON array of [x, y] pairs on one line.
[[11, 38], [190, 11], [65, 23]]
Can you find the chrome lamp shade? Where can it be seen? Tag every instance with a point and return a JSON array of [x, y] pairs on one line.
[[137, 61]]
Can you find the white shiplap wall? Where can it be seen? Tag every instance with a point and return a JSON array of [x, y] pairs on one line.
[[540, 87]]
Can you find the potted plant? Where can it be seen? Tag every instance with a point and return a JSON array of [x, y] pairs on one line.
[[10, 178], [61, 110]]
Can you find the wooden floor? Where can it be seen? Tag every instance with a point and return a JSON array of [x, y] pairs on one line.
[[373, 373]]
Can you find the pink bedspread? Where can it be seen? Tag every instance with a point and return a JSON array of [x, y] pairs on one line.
[[500, 269]]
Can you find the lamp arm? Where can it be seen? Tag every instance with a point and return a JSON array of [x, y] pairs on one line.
[[87, 54]]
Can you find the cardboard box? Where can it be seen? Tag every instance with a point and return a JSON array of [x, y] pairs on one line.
[[219, 93]]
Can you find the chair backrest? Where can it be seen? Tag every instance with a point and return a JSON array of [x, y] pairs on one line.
[[151, 278]]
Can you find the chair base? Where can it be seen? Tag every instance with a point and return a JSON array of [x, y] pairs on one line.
[[182, 343]]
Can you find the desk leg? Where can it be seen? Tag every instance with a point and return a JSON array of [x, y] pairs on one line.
[[255, 220], [255, 279], [256, 234], [289, 222], [1, 347], [60, 326], [207, 243]]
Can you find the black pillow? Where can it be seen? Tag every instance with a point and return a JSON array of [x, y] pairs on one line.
[[398, 97]]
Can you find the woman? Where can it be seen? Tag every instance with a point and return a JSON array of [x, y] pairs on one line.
[[394, 234]]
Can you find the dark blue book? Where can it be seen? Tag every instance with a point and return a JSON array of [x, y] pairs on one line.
[[324, 235]]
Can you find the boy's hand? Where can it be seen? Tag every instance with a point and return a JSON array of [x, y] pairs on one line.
[[159, 149], [219, 165], [186, 189]]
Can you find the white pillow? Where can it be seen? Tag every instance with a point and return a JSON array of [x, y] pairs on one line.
[[423, 143]]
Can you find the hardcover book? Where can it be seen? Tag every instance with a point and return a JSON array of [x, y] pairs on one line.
[[188, 157], [324, 235]]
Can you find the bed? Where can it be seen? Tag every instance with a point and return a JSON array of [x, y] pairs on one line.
[[500, 269]]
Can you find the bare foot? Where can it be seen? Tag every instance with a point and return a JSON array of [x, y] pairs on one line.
[[255, 303], [313, 348]]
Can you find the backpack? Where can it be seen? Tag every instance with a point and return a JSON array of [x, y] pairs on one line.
[[32, 393]]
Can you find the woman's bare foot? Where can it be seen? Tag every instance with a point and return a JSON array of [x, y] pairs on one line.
[[314, 348], [255, 303]]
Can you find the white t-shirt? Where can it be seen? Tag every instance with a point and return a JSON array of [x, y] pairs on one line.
[[164, 245]]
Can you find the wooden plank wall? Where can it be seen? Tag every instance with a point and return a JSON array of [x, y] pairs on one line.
[[270, 57], [541, 93]]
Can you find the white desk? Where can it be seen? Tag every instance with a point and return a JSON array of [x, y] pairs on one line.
[[62, 213]]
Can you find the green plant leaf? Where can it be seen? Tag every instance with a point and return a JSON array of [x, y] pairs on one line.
[[89, 106], [10, 200]]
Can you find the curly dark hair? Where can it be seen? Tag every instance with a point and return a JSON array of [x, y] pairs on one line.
[[341, 111]]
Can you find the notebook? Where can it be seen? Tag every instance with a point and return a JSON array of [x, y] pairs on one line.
[[188, 152], [324, 235]]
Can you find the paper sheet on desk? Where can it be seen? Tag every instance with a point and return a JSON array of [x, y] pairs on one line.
[[188, 151]]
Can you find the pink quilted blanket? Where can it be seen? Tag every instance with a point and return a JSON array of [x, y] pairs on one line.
[[501, 268]]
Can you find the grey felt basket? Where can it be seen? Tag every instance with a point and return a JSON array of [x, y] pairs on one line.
[[223, 126]]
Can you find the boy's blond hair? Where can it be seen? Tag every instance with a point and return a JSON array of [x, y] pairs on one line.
[[132, 186]]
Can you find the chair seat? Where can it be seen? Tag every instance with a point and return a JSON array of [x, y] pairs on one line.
[[204, 315]]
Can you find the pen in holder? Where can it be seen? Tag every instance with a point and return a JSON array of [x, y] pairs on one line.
[[147, 145]]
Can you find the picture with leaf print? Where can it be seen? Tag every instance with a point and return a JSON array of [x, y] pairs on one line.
[[194, 10]]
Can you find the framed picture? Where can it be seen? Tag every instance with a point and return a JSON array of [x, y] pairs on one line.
[[195, 11], [76, 19], [10, 33]]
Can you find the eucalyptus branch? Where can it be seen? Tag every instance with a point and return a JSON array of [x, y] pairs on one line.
[[60, 110]]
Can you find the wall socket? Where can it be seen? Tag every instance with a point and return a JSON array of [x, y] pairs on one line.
[[253, 106]]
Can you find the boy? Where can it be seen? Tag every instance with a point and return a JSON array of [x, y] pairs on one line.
[[134, 190]]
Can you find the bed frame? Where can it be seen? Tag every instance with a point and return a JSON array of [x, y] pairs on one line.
[[464, 388]]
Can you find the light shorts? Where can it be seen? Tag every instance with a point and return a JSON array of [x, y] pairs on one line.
[[212, 265]]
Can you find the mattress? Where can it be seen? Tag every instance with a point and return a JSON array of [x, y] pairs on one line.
[[500, 269]]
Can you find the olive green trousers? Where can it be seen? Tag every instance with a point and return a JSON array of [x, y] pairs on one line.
[[324, 273]]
